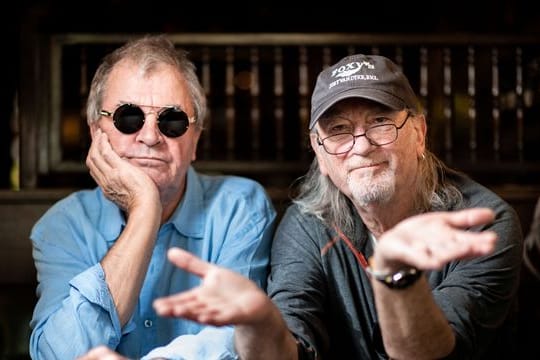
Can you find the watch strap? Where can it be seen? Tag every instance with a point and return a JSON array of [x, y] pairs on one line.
[[400, 279]]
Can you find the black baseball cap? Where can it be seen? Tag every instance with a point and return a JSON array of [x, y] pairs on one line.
[[371, 77]]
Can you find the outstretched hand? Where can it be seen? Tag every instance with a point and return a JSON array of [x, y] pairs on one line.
[[223, 298], [122, 182], [429, 241]]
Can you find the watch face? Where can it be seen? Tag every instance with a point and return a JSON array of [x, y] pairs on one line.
[[401, 279]]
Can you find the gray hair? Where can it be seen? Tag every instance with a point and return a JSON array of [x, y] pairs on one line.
[[148, 52], [318, 196]]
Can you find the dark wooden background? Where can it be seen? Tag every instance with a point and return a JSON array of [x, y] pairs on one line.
[[29, 22]]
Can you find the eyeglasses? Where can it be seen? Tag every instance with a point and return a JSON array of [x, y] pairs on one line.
[[377, 135], [129, 118]]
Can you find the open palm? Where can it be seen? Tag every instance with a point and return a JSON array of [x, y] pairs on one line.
[[223, 298]]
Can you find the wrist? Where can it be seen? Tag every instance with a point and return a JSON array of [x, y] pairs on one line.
[[395, 279]]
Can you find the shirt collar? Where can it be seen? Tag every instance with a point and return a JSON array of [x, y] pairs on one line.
[[189, 217]]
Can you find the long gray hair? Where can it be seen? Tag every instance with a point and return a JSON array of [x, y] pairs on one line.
[[148, 52], [318, 196]]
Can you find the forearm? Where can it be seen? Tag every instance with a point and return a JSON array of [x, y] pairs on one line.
[[412, 325], [268, 339], [84, 304], [49, 341], [126, 263]]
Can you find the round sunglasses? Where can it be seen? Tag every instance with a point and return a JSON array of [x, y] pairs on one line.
[[129, 118]]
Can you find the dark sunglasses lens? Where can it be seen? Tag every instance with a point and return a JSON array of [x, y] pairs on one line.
[[128, 118], [173, 122]]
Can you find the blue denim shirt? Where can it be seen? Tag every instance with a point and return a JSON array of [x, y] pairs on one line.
[[225, 220]]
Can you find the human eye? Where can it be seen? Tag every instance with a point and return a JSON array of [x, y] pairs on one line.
[[382, 120], [338, 127], [338, 138]]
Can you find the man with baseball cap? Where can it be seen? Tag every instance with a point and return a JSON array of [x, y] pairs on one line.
[[385, 252]]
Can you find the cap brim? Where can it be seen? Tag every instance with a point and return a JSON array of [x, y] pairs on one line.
[[373, 94]]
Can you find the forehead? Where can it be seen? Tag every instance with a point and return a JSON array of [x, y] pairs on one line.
[[356, 104], [163, 85], [353, 108]]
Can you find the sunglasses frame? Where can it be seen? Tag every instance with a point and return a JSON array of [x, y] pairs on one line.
[[160, 121]]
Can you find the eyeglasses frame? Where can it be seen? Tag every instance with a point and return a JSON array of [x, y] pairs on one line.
[[320, 141], [107, 113]]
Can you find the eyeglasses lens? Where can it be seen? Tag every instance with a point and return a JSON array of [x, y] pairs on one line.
[[172, 122], [128, 119]]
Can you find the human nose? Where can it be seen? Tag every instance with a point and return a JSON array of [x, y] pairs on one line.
[[150, 133], [361, 143]]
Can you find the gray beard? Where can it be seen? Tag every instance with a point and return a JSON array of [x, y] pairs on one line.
[[376, 191]]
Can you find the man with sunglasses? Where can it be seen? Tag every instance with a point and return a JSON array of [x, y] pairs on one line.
[[385, 253], [101, 254]]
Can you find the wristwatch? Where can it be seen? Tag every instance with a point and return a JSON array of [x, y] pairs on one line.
[[401, 279]]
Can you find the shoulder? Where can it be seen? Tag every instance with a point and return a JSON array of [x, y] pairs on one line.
[[233, 196], [507, 223], [77, 210], [232, 187], [296, 225], [478, 195], [76, 202]]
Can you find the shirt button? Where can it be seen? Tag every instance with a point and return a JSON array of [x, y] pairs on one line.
[[147, 323]]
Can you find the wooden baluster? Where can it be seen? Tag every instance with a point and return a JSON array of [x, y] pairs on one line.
[[78, 136], [15, 145], [255, 106], [303, 90], [495, 111], [447, 103], [326, 56], [83, 77], [230, 106], [206, 83], [399, 57], [424, 78], [31, 157], [471, 111], [519, 101], [278, 102]]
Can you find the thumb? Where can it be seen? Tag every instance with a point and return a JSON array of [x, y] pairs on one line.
[[187, 261]]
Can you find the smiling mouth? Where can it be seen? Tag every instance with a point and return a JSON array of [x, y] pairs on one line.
[[370, 165], [366, 166]]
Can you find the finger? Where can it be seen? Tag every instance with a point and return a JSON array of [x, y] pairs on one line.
[[465, 245], [189, 262], [191, 310], [476, 244], [164, 306], [201, 312], [95, 159], [107, 152], [435, 254], [472, 217], [96, 171]]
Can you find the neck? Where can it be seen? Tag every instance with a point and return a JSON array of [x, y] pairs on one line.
[[379, 218]]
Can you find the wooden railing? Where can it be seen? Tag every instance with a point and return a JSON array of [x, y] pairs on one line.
[[481, 95]]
